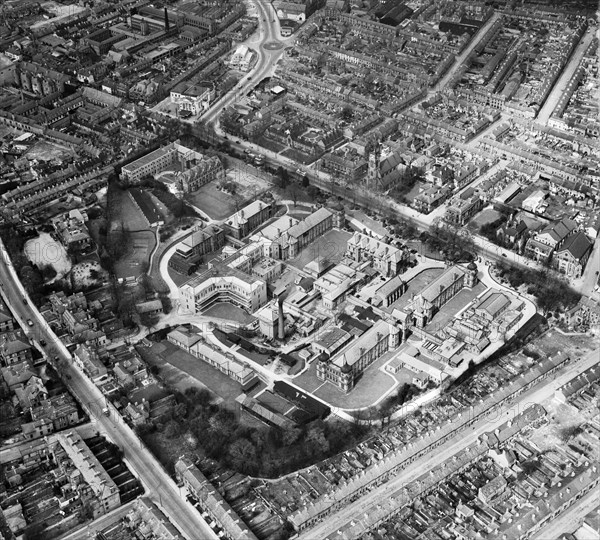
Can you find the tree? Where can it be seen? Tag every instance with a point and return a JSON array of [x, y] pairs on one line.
[[305, 182], [242, 455], [172, 429], [293, 192], [282, 178]]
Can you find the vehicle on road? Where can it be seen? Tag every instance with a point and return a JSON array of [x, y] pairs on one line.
[[25, 300], [105, 411], [43, 342], [29, 322]]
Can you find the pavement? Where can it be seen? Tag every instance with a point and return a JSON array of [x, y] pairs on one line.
[[159, 486], [537, 394], [563, 81], [270, 33], [571, 519]]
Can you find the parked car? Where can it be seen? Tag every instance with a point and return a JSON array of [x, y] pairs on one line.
[[29, 322]]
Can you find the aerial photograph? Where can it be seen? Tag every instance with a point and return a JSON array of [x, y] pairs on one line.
[[299, 270]]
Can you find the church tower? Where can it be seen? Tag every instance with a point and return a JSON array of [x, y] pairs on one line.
[[374, 170]]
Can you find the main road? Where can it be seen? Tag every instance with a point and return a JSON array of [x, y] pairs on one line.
[[270, 47], [343, 519], [159, 486]]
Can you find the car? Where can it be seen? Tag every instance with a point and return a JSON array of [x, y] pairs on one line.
[[25, 300], [43, 342], [504, 254], [29, 322]]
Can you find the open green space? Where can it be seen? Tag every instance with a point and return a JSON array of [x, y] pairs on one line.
[[135, 260], [213, 202], [372, 385], [487, 215]]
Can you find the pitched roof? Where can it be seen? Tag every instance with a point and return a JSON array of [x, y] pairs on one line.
[[577, 245], [559, 231]]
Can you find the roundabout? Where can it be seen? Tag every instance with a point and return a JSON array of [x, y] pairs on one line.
[[272, 46]]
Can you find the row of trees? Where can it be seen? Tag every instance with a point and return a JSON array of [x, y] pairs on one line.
[[452, 244]]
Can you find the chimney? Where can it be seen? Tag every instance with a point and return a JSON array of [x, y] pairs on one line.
[[166, 20], [281, 327]]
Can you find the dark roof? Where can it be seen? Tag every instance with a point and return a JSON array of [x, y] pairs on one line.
[[577, 244], [302, 400]]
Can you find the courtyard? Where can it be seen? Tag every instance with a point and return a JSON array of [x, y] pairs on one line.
[[331, 246]]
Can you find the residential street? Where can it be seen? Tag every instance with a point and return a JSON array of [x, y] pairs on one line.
[[158, 484], [538, 394]]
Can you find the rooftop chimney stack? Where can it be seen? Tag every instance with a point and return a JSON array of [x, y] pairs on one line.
[[166, 20], [281, 325]]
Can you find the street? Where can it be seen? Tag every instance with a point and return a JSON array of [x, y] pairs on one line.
[[269, 31], [563, 80], [537, 394], [160, 488]]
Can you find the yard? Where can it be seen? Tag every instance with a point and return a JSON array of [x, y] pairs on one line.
[[449, 310], [415, 286], [332, 246], [248, 184], [45, 151], [229, 312]]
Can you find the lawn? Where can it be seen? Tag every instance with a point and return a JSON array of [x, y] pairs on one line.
[[332, 245], [141, 245], [487, 215], [217, 382], [127, 214], [213, 202], [229, 312], [370, 387]]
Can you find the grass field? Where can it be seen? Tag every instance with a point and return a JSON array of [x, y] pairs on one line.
[[127, 214], [332, 245], [218, 383], [214, 203], [141, 246], [487, 215]]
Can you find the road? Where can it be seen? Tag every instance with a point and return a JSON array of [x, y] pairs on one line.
[[564, 78], [570, 520], [545, 390], [270, 48], [460, 59], [160, 487], [590, 274]]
